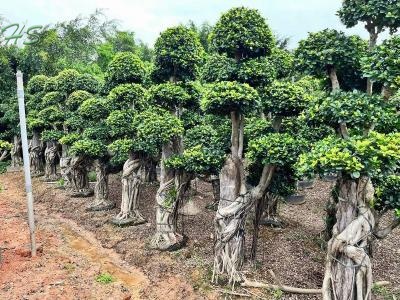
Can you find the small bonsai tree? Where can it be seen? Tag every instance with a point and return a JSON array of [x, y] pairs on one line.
[[377, 16], [358, 155], [333, 54], [381, 65]]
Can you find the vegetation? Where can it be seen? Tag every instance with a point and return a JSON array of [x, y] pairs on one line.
[[228, 104]]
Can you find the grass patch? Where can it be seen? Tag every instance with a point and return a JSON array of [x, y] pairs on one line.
[[105, 278], [384, 293]]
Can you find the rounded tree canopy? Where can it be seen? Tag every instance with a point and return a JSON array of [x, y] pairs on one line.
[[169, 95], [51, 135], [120, 123], [69, 139], [257, 72], [36, 84], [330, 48], [87, 82], [358, 110], [218, 67], [66, 81], [51, 116], [383, 63], [278, 149], [372, 156], [242, 32], [120, 149], [89, 148], [205, 150], [379, 13], [128, 95], [126, 67], [93, 109], [229, 96], [178, 52], [52, 98], [51, 84], [283, 99], [155, 127], [76, 99]]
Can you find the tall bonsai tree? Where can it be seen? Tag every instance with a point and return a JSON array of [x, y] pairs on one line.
[[358, 155], [332, 54], [377, 16], [35, 103], [178, 53]]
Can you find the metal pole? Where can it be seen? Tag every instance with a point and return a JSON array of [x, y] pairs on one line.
[[25, 154]]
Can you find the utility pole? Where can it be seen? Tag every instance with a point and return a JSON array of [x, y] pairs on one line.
[[25, 154]]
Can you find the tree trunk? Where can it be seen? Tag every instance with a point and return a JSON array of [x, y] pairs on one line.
[[79, 177], [101, 190], [333, 77], [131, 184], [50, 155], [216, 193], [149, 172], [66, 171], [386, 92], [36, 155], [271, 215], [348, 273], [16, 153], [166, 236], [373, 38]]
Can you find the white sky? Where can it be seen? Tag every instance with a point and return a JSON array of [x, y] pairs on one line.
[[147, 18]]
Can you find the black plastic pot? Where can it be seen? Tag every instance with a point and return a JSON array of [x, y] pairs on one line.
[[295, 199], [305, 184]]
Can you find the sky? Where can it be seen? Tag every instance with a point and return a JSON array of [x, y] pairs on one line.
[[147, 18]]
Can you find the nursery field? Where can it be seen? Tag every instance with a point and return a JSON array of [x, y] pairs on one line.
[[79, 248]]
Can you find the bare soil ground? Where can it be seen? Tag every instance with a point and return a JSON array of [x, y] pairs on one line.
[[78, 246]]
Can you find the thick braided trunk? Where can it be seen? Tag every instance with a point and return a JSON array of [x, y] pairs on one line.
[[101, 190], [16, 153], [79, 177], [166, 236], [50, 155], [348, 273], [36, 155], [131, 184]]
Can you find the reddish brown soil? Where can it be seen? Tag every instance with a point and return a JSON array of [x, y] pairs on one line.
[[79, 245]]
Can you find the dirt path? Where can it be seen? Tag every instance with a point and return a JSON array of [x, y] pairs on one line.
[[79, 245], [69, 261]]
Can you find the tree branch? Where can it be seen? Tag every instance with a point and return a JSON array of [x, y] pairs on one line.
[[343, 130], [283, 288], [241, 136]]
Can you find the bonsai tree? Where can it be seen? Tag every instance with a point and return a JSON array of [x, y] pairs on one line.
[[124, 151], [35, 103], [177, 55], [358, 155], [381, 65], [333, 54], [377, 16], [9, 120]]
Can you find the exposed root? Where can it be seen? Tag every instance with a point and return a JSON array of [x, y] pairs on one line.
[[283, 288]]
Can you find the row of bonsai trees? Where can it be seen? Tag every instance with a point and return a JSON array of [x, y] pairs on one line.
[[251, 118]]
